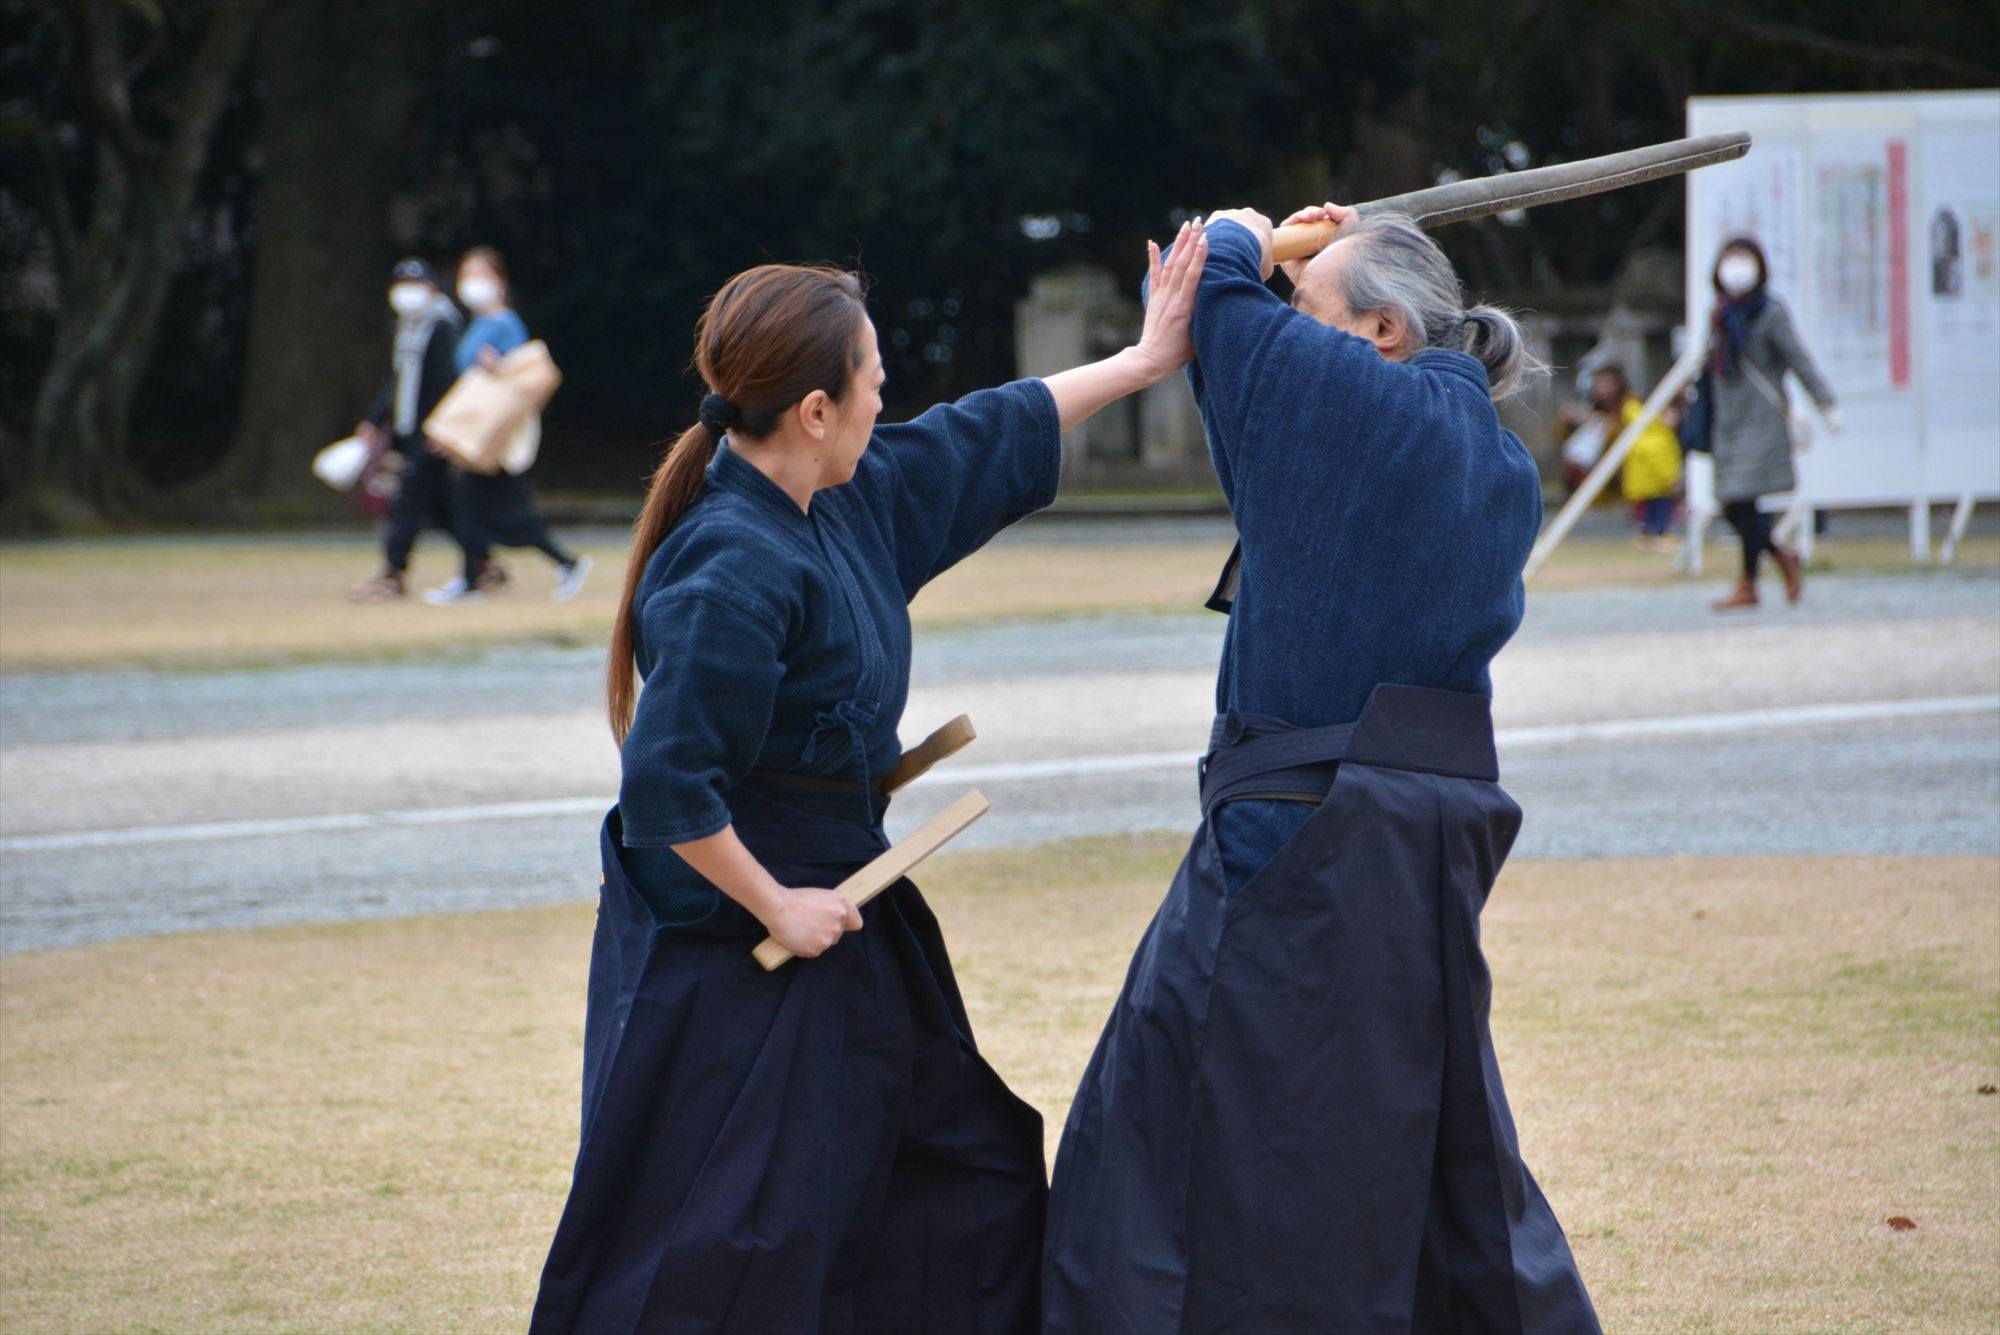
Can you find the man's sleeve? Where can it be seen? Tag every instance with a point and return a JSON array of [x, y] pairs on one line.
[[377, 415], [1236, 320], [1272, 380]]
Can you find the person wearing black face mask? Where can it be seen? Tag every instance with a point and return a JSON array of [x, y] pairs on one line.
[[421, 369], [1751, 346]]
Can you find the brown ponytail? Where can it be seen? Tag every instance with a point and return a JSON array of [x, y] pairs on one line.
[[769, 337]]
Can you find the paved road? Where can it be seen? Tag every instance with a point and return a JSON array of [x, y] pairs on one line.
[[1634, 723]]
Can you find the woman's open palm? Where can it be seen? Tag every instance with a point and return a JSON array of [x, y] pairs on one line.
[[1166, 339]]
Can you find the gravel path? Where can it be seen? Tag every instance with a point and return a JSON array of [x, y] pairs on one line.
[[86, 753]]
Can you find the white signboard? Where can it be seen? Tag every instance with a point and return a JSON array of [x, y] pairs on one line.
[[1879, 214], [1958, 284]]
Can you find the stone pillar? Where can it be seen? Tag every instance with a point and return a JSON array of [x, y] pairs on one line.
[[1072, 316], [1170, 432]]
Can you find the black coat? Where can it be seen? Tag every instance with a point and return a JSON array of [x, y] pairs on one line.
[[440, 371]]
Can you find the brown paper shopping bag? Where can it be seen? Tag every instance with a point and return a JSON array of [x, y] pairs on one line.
[[481, 413]]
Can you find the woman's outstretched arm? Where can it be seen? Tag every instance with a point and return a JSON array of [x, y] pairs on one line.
[[1164, 345]]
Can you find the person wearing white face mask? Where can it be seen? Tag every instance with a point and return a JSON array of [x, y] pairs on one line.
[[420, 371], [1751, 346], [496, 510]]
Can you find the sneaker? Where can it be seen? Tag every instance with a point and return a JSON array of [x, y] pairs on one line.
[[385, 587], [457, 591], [570, 578], [492, 576]]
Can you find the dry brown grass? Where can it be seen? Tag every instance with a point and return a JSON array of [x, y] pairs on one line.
[[1728, 1076], [180, 603], [256, 601]]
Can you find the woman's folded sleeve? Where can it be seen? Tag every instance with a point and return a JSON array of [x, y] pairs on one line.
[[703, 715], [946, 482]]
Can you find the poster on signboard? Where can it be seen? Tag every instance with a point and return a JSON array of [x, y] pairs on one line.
[[1959, 295], [1759, 197], [1856, 261], [1962, 271]]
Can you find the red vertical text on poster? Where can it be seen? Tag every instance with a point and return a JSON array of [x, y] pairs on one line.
[[1899, 263]]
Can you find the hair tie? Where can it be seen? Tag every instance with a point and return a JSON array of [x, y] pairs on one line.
[[719, 414]]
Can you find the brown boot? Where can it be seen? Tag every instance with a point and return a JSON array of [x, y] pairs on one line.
[[1745, 596], [384, 588], [1788, 566]]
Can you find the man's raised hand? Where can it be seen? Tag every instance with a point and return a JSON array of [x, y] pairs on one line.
[[1336, 214], [1258, 226]]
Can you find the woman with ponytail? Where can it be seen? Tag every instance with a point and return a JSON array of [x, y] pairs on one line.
[[820, 1148], [1294, 1119]]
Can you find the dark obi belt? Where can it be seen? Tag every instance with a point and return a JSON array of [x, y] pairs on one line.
[[1403, 727]]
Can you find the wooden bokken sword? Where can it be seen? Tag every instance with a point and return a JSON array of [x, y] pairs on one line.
[[1476, 198], [1486, 195]]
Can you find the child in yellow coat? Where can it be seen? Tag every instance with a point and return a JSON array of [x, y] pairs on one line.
[[1652, 471]]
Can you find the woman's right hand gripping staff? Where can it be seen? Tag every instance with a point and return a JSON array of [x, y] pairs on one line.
[[805, 920]]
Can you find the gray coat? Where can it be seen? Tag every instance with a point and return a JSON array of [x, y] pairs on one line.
[[1751, 439]]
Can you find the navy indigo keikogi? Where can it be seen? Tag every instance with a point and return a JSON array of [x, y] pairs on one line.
[[820, 1148], [1294, 1119]]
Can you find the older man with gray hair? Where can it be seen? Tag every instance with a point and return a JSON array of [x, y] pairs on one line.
[[1294, 1120]]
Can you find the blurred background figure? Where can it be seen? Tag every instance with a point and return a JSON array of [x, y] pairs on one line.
[[1751, 344], [1582, 434], [1652, 470], [421, 369], [495, 510]]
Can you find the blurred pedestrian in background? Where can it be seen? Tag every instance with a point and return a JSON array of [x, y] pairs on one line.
[[1751, 344], [495, 510], [1583, 438], [421, 369], [1652, 469]]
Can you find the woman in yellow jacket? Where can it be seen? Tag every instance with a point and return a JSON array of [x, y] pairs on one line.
[[1652, 470]]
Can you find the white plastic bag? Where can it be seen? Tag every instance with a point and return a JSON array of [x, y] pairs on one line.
[[518, 455], [1585, 444], [340, 464]]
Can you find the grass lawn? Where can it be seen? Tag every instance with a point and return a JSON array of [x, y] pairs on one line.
[[256, 601], [1729, 1075], [251, 602]]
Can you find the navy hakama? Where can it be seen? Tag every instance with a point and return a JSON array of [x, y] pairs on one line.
[[814, 1149], [820, 1148], [1294, 1119]]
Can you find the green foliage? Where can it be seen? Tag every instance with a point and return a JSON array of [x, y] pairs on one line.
[[628, 155]]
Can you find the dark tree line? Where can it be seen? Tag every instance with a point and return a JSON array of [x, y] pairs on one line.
[[202, 196]]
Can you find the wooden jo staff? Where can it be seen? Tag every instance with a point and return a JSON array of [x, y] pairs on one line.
[[895, 863]]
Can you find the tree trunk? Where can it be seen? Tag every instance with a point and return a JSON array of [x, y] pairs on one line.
[[340, 86], [78, 467]]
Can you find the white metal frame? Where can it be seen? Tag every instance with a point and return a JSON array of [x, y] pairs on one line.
[[1670, 385]]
